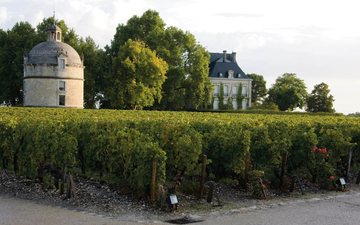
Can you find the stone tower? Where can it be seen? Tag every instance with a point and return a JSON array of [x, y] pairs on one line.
[[53, 74]]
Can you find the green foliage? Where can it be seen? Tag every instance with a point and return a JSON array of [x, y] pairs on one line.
[[258, 88], [183, 146], [229, 103], [148, 28], [187, 85], [239, 97], [96, 69], [320, 99], [288, 92], [137, 78], [13, 44], [221, 97], [120, 146]]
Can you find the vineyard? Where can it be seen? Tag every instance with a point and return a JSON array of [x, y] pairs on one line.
[[122, 147]]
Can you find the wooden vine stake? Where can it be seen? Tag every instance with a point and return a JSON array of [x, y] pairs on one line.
[[153, 180], [203, 175]]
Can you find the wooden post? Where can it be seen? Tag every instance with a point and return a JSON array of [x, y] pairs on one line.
[[153, 180], [349, 165], [203, 175], [283, 168], [262, 187], [70, 186]]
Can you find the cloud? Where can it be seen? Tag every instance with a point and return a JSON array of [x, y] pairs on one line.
[[232, 15], [3, 16]]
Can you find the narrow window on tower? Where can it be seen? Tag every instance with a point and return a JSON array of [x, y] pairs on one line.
[[62, 100], [61, 85]]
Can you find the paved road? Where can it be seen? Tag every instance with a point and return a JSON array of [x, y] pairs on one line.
[[341, 210]]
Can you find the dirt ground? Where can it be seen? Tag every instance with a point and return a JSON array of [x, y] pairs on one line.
[[93, 197]]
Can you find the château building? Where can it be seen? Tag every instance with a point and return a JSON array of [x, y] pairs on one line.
[[225, 71]]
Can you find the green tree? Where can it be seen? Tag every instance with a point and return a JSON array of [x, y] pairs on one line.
[[239, 97], [13, 44], [288, 92], [187, 85], [96, 69], [148, 28], [258, 88], [137, 77], [229, 103], [320, 99], [221, 97]]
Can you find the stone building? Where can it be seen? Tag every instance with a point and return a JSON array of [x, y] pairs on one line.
[[53, 74], [225, 70]]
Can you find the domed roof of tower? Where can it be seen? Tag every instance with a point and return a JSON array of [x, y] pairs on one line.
[[48, 52]]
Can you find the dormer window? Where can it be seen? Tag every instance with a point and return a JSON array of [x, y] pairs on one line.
[[231, 74], [62, 64]]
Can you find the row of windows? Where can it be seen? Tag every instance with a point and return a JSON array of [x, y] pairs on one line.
[[234, 90], [230, 74]]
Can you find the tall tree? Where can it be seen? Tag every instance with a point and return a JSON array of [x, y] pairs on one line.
[[96, 69], [221, 97], [320, 99], [258, 88], [187, 85], [148, 28], [137, 77], [239, 97], [288, 92], [14, 43]]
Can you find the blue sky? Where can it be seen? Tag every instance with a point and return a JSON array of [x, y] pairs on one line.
[[316, 39]]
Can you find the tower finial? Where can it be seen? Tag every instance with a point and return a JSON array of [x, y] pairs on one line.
[[54, 11], [54, 17]]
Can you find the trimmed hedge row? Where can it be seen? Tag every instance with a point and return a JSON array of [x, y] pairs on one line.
[[119, 146]]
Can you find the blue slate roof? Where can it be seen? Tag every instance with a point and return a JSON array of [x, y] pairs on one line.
[[219, 66]]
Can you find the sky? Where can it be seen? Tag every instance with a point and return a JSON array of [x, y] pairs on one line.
[[319, 40]]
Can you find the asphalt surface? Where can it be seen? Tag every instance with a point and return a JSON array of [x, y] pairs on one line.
[[340, 210]]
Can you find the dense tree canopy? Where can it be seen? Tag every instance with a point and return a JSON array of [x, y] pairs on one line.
[[96, 69], [148, 28], [320, 99], [13, 44], [258, 88], [187, 85], [288, 92], [137, 77]]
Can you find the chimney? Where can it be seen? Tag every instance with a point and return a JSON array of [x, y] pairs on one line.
[[233, 57], [224, 55]]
